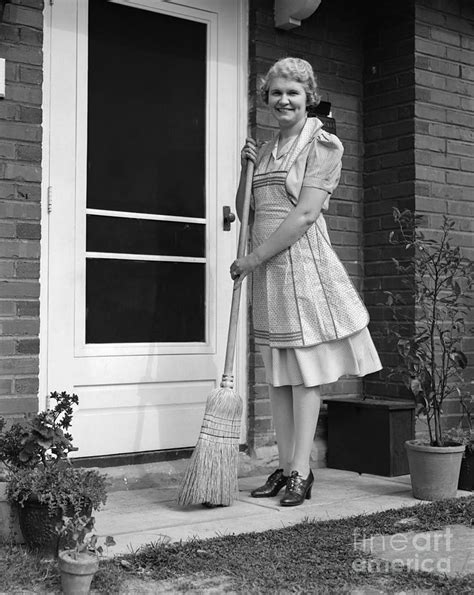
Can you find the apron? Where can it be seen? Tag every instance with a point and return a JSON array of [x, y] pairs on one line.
[[302, 296]]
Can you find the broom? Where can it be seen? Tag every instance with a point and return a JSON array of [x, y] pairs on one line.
[[211, 476]]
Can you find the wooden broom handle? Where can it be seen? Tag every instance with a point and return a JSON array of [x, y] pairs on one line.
[[227, 378]]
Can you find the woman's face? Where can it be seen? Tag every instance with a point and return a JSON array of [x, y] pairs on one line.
[[287, 101]]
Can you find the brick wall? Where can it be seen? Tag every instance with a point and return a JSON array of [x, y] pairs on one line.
[[389, 166], [21, 41], [419, 132], [444, 125], [331, 41]]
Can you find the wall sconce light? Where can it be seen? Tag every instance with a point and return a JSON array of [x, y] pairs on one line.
[[290, 13]]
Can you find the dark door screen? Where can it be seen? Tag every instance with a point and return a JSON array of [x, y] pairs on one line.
[[146, 196]]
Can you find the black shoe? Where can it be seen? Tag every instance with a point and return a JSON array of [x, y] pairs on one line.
[[272, 486], [297, 489]]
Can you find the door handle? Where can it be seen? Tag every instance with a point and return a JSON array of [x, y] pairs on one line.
[[229, 217]]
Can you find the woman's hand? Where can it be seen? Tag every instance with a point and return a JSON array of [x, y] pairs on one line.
[[241, 267], [249, 151]]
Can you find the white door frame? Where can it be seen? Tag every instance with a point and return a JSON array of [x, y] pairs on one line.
[[241, 362]]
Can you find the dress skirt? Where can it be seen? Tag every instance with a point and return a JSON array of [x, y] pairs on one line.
[[321, 364]]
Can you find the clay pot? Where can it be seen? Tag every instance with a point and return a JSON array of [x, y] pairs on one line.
[[77, 571], [434, 470]]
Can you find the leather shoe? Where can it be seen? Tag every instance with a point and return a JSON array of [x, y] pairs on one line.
[[297, 489], [272, 486]]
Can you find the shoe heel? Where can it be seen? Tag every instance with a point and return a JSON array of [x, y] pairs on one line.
[[308, 493]]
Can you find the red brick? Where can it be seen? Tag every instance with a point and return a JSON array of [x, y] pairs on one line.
[[430, 143], [460, 178], [19, 249], [23, 54], [27, 309], [20, 131], [31, 36], [7, 308], [467, 164], [9, 33], [30, 153], [22, 173], [446, 36], [27, 347], [261, 424], [437, 160], [19, 365], [260, 391], [439, 66], [5, 389], [19, 15], [18, 405], [19, 289], [430, 48], [26, 386], [6, 269], [7, 150], [17, 210], [28, 231], [7, 229], [7, 347], [30, 115], [26, 269], [460, 148], [450, 131], [8, 111], [31, 75], [467, 103], [460, 55], [23, 94]]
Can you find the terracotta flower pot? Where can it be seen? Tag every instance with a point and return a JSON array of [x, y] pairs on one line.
[[10, 531], [38, 528], [77, 571], [434, 470]]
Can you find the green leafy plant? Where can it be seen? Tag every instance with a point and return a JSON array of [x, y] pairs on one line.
[[464, 432], [438, 280], [44, 439], [35, 452], [62, 487], [78, 531]]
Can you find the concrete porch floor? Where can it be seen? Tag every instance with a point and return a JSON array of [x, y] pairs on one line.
[[140, 516]]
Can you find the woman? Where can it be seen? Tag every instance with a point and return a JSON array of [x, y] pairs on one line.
[[309, 321]]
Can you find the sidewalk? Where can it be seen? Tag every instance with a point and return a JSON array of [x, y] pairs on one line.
[[141, 516]]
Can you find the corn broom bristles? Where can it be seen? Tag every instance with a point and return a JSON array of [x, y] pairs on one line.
[[211, 476]]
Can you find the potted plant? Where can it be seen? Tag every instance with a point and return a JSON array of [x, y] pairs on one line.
[[438, 280], [79, 563], [41, 479], [10, 531], [464, 434]]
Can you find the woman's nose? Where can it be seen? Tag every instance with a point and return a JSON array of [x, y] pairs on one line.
[[283, 99]]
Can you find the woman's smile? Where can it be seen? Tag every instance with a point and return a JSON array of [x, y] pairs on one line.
[[287, 101]]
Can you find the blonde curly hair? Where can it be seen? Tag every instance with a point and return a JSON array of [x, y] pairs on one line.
[[295, 69]]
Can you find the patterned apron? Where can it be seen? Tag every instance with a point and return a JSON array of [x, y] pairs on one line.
[[302, 296]]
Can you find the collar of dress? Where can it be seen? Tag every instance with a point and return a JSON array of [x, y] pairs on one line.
[[307, 134]]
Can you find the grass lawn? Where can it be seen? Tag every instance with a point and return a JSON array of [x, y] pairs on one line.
[[313, 556]]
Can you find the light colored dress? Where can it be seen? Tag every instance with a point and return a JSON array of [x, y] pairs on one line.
[[309, 320]]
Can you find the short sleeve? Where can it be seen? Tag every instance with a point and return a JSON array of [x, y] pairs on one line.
[[323, 165]]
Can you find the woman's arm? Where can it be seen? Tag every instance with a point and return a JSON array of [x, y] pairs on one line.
[[298, 221], [296, 224]]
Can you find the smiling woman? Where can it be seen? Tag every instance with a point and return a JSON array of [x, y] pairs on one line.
[[309, 321]]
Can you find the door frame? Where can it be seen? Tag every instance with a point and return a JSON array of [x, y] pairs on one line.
[[241, 360]]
